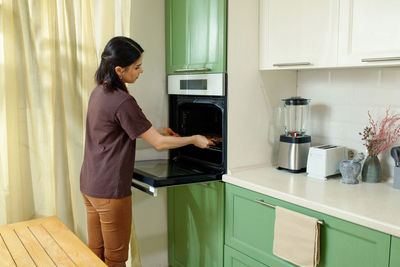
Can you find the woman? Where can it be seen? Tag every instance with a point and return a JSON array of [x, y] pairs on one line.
[[114, 121]]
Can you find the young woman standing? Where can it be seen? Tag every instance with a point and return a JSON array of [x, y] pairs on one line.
[[114, 121]]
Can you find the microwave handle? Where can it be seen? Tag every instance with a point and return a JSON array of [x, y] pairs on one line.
[[190, 70]]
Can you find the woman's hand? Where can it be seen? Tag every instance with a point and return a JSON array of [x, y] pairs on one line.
[[167, 131], [202, 142]]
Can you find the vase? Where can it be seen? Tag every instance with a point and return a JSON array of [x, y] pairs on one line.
[[372, 170]]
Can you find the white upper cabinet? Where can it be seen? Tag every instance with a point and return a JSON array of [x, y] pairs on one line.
[[369, 33], [298, 33]]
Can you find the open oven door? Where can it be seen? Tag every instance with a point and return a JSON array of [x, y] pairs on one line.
[[150, 175]]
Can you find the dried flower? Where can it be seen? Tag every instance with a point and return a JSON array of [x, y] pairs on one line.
[[380, 136]]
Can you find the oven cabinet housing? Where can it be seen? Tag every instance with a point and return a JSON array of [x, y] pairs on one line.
[[395, 252], [195, 36], [249, 230], [196, 225]]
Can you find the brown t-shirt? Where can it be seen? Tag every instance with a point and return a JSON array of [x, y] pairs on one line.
[[113, 122]]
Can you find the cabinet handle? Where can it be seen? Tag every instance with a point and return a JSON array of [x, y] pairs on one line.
[[265, 204], [198, 69], [320, 222], [204, 184], [374, 59], [291, 64]]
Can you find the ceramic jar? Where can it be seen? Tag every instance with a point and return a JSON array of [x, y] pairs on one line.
[[372, 170]]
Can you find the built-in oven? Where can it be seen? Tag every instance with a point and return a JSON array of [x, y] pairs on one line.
[[197, 105]]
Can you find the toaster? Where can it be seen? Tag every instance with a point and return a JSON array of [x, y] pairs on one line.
[[324, 160]]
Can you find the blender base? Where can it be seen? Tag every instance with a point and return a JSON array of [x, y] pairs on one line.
[[293, 153], [292, 171]]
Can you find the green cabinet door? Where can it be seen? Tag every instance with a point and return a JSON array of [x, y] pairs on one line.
[[234, 258], [195, 36], [249, 229], [196, 225], [249, 226], [395, 252]]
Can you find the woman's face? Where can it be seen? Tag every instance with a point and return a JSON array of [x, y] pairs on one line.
[[131, 73]]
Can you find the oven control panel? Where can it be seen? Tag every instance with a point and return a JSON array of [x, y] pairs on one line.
[[197, 84]]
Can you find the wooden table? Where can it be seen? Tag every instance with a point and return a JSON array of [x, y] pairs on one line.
[[43, 242]]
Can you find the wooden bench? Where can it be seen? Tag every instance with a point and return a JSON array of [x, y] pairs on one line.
[[43, 242]]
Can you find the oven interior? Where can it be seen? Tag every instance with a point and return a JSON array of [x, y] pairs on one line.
[[205, 116]]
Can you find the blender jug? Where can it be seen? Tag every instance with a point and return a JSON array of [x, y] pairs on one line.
[[294, 143], [295, 110]]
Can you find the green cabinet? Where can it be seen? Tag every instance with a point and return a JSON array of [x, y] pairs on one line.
[[395, 252], [249, 226], [196, 225], [234, 258], [249, 229], [195, 36]]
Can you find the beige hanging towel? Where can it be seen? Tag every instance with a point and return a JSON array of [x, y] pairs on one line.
[[296, 237]]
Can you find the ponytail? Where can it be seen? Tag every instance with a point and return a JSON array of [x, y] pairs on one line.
[[119, 51]]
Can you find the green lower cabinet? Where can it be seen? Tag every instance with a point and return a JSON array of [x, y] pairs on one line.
[[395, 252], [234, 258], [249, 228], [196, 225]]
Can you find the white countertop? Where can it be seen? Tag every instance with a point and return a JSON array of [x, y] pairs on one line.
[[374, 205]]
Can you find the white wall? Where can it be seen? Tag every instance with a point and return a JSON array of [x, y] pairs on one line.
[[149, 213], [341, 99], [252, 95]]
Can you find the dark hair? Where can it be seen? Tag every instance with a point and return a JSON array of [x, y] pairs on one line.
[[119, 51]]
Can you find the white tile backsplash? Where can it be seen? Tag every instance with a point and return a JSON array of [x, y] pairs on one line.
[[355, 78], [341, 99], [390, 78]]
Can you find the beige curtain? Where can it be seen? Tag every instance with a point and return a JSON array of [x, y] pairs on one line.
[[49, 51]]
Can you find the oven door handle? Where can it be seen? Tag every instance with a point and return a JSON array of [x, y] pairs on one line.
[[192, 70], [144, 187]]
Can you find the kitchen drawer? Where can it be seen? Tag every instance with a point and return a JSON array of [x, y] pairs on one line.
[[249, 228], [233, 258], [395, 252]]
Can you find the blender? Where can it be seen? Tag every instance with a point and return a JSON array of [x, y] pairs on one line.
[[294, 143]]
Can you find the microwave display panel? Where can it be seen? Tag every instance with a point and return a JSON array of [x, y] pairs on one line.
[[200, 84]]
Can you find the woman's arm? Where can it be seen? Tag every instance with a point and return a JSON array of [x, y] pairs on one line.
[[166, 131], [161, 142]]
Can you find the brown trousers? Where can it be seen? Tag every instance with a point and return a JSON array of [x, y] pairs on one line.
[[109, 228]]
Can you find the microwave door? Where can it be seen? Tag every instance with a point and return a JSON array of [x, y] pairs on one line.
[[150, 175]]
